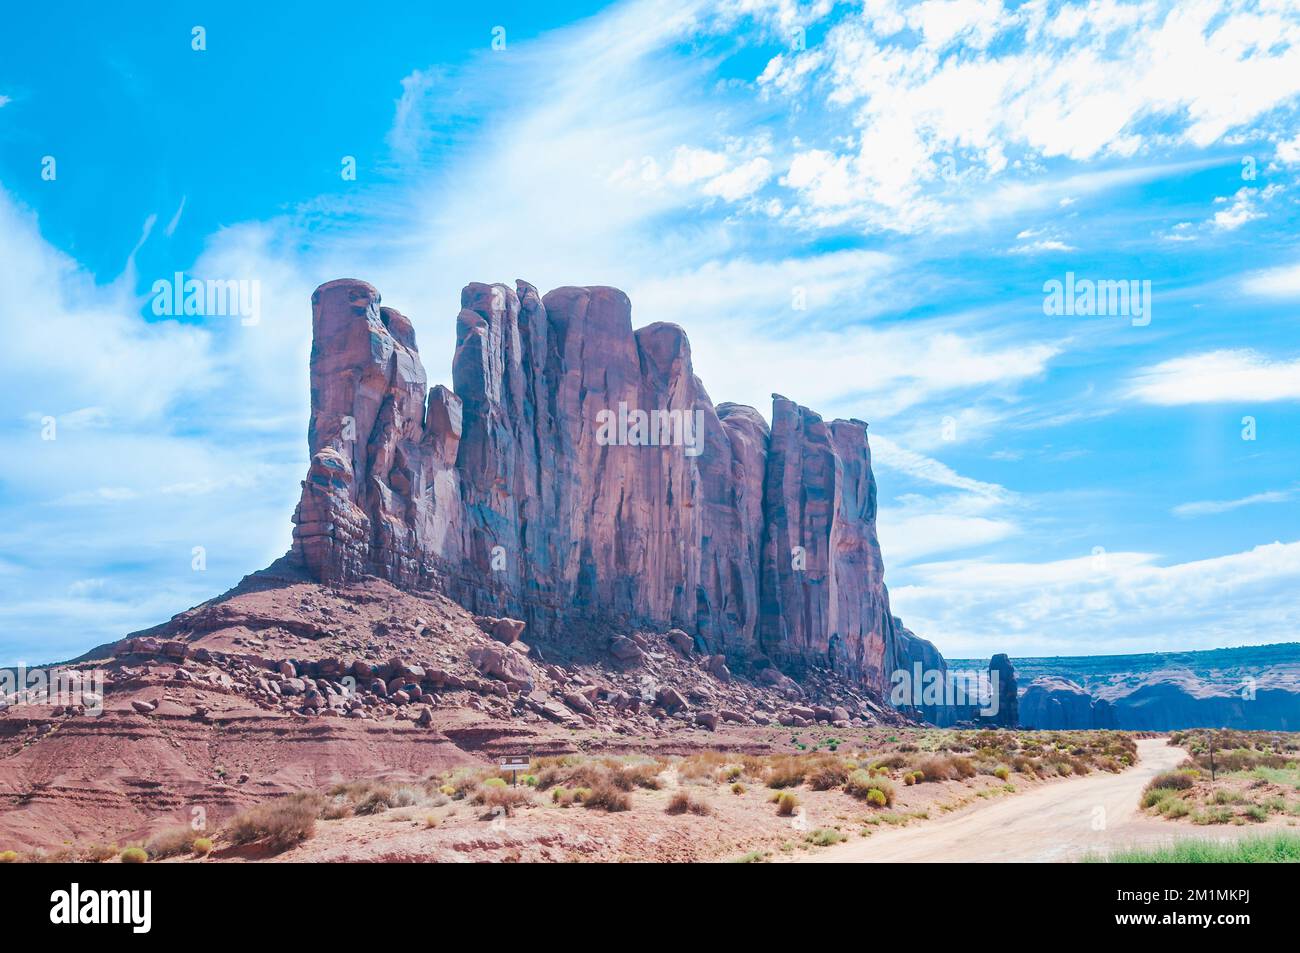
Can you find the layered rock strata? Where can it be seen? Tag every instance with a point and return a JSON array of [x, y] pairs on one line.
[[577, 476]]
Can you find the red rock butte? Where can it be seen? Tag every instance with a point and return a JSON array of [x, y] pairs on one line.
[[500, 493]]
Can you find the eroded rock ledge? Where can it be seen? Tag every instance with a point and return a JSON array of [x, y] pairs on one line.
[[760, 542]]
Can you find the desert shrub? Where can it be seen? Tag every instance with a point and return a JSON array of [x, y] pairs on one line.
[[787, 772], [643, 775], [1174, 806], [1257, 813], [1154, 796], [202, 846], [133, 855], [824, 837], [335, 808], [786, 804], [171, 842], [606, 797], [581, 794], [562, 797], [683, 803], [1224, 796], [890, 762], [1002, 772], [499, 797], [1172, 780], [8, 856], [375, 802], [464, 782], [858, 783], [945, 767], [281, 823], [98, 853], [827, 775], [733, 772], [737, 788], [1215, 815], [753, 857]]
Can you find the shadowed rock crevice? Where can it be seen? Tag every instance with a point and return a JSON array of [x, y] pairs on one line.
[[580, 478]]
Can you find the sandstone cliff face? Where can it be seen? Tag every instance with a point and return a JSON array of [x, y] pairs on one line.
[[551, 485]]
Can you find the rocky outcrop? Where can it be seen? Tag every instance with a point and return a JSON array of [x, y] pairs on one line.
[[1002, 682], [1060, 704], [578, 476]]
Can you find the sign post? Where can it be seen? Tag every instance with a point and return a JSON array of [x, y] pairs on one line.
[[514, 763]]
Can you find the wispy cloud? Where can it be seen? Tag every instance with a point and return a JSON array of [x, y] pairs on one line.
[[1218, 377], [1214, 507]]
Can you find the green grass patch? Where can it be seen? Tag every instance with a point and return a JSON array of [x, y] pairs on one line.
[[1280, 848]]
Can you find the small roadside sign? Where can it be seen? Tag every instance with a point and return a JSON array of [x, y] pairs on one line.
[[514, 763]]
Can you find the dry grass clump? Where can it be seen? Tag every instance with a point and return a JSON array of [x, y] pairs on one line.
[[501, 798], [605, 797], [786, 804], [281, 823], [98, 853], [946, 768], [572, 771], [133, 855], [827, 775], [369, 797], [1172, 780], [786, 771], [171, 842], [683, 803], [202, 846]]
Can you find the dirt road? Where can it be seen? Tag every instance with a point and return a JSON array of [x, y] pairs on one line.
[[1058, 822]]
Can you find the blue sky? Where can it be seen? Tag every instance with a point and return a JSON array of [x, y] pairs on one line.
[[912, 174]]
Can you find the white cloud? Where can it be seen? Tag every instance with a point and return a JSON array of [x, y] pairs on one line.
[[1218, 377], [1242, 207], [988, 90], [1043, 245], [1288, 151], [742, 181], [1214, 507], [914, 526], [1283, 282], [888, 454], [1109, 602]]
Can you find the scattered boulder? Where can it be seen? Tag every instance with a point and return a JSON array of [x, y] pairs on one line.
[[579, 703], [626, 651], [496, 661], [506, 631], [681, 641], [670, 700]]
